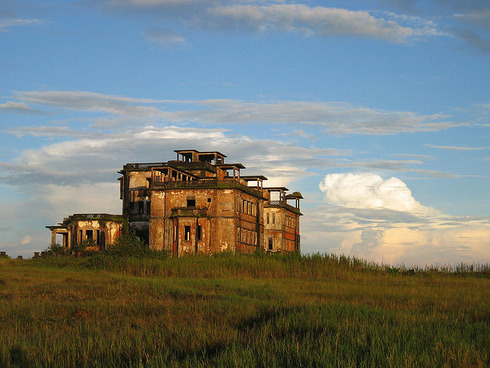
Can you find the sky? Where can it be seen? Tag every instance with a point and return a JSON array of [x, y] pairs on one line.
[[378, 112]]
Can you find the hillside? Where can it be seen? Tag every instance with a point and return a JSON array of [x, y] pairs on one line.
[[240, 311]]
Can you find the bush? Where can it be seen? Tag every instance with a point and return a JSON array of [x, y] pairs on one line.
[[130, 245], [57, 250]]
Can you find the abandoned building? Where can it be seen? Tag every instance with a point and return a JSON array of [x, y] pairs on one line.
[[101, 229], [195, 204]]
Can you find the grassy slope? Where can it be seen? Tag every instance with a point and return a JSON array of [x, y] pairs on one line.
[[236, 311]]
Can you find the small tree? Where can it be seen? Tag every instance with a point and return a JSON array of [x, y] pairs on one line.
[[86, 247], [57, 250], [129, 245]]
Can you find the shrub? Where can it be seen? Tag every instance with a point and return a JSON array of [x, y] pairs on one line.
[[130, 245], [57, 250]]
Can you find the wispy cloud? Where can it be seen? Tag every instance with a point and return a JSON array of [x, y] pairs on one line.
[[457, 148], [467, 20], [164, 37], [331, 117], [17, 22], [277, 16], [50, 131], [319, 21], [20, 107]]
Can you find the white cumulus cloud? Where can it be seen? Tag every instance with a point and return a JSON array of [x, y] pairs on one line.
[[370, 191]]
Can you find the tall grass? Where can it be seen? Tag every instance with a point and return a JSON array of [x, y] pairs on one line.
[[240, 311], [262, 265]]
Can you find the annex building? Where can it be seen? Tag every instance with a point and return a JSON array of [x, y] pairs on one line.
[[194, 204]]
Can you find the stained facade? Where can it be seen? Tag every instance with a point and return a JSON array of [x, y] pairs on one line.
[[100, 229], [200, 204]]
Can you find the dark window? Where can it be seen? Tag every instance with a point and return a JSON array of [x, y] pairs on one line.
[[267, 218], [191, 203], [270, 244], [98, 237], [199, 232], [89, 234], [209, 200], [141, 207], [187, 233], [273, 218]]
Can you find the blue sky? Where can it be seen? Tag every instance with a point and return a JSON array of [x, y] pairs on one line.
[[377, 111]]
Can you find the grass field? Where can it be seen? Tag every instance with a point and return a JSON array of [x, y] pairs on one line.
[[240, 311]]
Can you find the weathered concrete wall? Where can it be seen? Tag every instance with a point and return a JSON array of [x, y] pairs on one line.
[[282, 226], [184, 214]]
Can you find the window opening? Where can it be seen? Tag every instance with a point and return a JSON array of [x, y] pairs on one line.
[[270, 244], [187, 233], [89, 234], [191, 203], [199, 232]]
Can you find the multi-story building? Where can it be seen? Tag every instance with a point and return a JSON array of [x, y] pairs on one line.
[[200, 204]]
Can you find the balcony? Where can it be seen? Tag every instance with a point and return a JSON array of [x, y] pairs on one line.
[[227, 183]]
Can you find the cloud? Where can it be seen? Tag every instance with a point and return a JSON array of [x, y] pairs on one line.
[[96, 159], [164, 37], [395, 237], [19, 107], [480, 17], [457, 148], [467, 20], [17, 22], [26, 240], [370, 191], [332, 117], [474, 39], [91, 102], [50, 131], [275, 16], [378, 219], [307, 20]]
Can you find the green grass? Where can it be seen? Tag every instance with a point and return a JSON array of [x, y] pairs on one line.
[[240, 311]]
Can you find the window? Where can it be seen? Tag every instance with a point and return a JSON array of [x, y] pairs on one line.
[[209, 200], [199, 232], [267, 218], [141, 207], [270, 244], [89, 234], [191, 203], [273, 218], [187, 233]]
